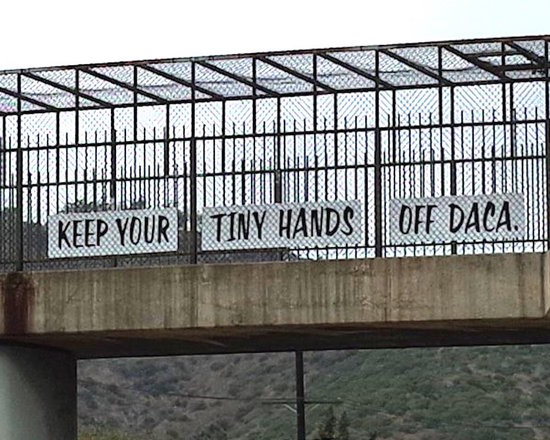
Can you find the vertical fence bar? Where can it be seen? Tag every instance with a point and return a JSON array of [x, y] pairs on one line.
[[453, 152], [335, 116], [4, 256], [166, 144], [223, 151], [377, 165], [547, 137], [504, 109], [453, 157], [19, 165], [193, 169], [136, 174], [254, 129], [315, 108], [113, 158], [315, 159], [278, 191], [77, 138], [57, 158], [3, 157]]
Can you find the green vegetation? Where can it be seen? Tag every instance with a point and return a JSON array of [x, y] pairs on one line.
[[103, 434], [430, 394], [331, 428]]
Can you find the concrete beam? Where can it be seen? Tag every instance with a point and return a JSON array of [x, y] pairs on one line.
[[277, 306]]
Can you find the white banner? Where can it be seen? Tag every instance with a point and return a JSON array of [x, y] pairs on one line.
[[457, 218], [296, 225], [113, 233]]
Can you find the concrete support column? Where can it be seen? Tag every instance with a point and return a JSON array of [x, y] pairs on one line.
[[37, 394]]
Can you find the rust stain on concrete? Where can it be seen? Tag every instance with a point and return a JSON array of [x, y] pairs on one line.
[[17, 298]]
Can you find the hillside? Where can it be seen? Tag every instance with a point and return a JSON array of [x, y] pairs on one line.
[[449, 393]]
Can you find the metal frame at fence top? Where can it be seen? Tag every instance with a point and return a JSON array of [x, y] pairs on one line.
[[363, 123]]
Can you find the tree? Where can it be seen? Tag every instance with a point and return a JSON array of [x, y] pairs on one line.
[[214, 431], [327, 430], [343, 427]]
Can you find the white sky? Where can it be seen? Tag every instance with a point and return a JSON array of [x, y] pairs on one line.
[[56, 32]]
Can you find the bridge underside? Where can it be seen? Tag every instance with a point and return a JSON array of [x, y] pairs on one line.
[[432, 301], [303, 338]]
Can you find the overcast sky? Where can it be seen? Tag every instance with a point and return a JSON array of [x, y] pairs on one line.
[[57, 32]]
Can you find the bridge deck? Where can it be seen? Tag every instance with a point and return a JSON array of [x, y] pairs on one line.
[[430, 301]]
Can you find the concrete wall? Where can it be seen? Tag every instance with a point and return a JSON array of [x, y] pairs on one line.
[[176, 302]]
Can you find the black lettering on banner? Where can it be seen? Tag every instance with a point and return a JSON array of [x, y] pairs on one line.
[[490, 210], [468, 218], [122, 229], [404, 211], [429, 219], [62, 234], [473, 219], [88, 232], [218, 218], [76, 234], [149, 229], [102, 229], [164, 224], [504, 219], [135, 230], [348, 216], [418, 214], [243, 224], [301, 224], [231, 226], [284, 223], [454, 226], [328, 230], [259, 222], [317, 222]]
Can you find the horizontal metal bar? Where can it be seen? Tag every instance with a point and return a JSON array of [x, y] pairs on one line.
[[70, 90], [384, 85], [182, 82], [285, 170], [519, 67], [238, 78], [357, 71], [124, 85], [494, 53], [418, 67], [528, 54], [299, 75], [27, 99], [160, 141], [483, 65]]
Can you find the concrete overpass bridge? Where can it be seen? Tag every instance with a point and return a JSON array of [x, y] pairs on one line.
[[280, 306], [51, 319], [348, 198]]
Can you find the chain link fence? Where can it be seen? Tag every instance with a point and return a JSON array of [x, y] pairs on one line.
[[368, 125]]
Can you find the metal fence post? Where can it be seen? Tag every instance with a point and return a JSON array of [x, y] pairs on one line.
[[193, 170], [278, 190], [547, 138], [19, 190], [113, 158], [453, 157], [377, 167]]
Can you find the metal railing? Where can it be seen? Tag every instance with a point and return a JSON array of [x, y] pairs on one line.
[[368, 124]]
